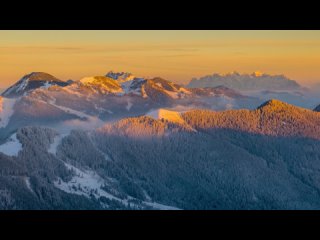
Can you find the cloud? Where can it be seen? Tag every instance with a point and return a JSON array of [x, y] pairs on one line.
[[42, 47], [181, 49], [176, 55], [239, 53]]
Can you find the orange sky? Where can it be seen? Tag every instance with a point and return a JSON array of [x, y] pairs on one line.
[[174, 55]]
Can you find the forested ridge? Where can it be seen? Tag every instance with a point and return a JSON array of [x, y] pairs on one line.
[[267, 158]]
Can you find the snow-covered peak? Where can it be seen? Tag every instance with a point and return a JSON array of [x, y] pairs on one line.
[[171, 116], [120, 76], [102, 84], [32, 81]]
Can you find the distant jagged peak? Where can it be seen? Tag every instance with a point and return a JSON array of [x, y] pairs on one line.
[[236, 73], [255, 74], [254, 81], [233, 73], [120, 76]]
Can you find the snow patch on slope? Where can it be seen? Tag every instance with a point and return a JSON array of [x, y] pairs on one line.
[[73, 89], [88, 183], [132, 87], [143, 92], [46, 85], [28, 184], [181, 93], [171, 116], [160, 206], [184, 90], [22, 85], [173, 95], [56, 142], [84, 183], [104, 84], [129, 106], [11, 147], [70, 111], [6, 111], [19, 87]]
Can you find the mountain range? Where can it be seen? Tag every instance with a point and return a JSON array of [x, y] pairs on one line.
[[123, 142], [262, 86], [42, 99], [254, 81]]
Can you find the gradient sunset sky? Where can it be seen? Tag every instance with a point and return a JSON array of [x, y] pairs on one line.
[[174, 55]]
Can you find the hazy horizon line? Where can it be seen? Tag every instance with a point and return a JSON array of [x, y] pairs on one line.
[[299, 81]]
